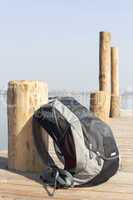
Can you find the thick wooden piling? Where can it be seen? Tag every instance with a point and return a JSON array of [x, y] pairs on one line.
[[100, 101], [115, 96], [23, 98], [104, 62], [100, 104]]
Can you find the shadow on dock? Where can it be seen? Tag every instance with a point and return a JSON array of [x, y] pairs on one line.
[[3, 162], [29, 175]]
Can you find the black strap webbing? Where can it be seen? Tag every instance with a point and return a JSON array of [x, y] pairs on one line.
[[41, 145], [53, 174]]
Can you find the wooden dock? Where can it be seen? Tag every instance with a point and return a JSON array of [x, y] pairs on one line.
[[18, 186]]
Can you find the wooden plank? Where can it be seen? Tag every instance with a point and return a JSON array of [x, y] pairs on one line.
[[75, 193], [26, 186]]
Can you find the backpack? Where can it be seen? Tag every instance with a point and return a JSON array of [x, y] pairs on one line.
[[83, 143]]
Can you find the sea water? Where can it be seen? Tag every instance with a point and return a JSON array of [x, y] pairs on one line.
[[82, 98], [3, 123]]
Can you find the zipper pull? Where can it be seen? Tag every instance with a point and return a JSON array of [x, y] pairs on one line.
[[99, 159]]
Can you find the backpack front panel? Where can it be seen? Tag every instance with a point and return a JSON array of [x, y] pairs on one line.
[[86, 167]]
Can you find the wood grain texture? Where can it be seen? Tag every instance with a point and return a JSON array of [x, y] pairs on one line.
[[23, 98], [115, 94], [100, 104], [26, 186], [115, 71], [104, 62]]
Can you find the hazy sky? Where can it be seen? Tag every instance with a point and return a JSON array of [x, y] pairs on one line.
[[57, 40]]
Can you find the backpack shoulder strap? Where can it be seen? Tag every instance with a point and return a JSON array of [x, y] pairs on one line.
[[52, 175]]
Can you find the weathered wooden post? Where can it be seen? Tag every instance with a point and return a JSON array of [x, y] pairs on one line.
[[23, 98], [115, 96], [100, 104], [104, 62], [100, 100]]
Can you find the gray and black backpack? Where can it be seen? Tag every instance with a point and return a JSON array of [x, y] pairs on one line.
[[83, 143]]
